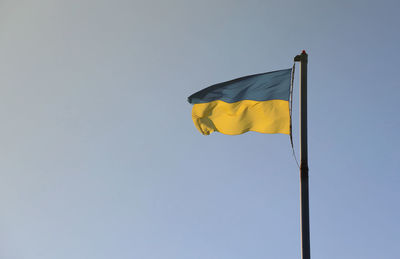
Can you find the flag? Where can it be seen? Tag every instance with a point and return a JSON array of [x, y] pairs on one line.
[[252, 103]]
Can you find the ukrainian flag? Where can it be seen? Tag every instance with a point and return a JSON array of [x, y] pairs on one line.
[[252, 103]]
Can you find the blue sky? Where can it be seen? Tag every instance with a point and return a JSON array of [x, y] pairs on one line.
[[99, 157]]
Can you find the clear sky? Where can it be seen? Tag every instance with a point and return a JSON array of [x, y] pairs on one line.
[[99, 157]]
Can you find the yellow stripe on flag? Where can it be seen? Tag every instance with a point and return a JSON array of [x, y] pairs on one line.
[[236, 118]]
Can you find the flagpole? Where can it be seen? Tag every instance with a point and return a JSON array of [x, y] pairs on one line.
[[304, 196]]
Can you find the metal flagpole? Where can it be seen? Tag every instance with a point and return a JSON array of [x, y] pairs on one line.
[[304, 197]]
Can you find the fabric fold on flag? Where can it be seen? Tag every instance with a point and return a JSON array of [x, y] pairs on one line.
[[252, 103]]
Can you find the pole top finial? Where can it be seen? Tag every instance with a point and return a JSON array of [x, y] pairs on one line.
[[302, 57]]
